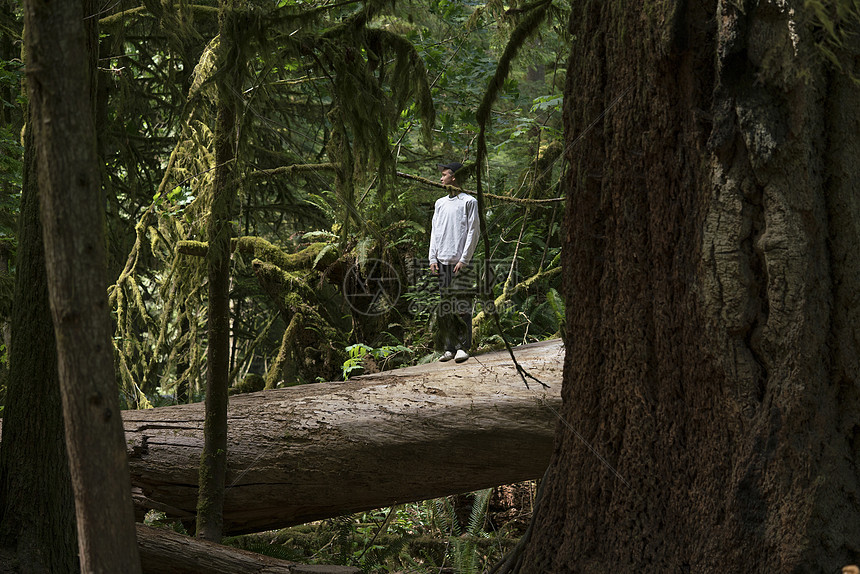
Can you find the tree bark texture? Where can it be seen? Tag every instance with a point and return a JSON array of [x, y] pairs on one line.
[[710, 280], [59, 85], [163, 551], [316, 451], [213, 462], [37, 513]]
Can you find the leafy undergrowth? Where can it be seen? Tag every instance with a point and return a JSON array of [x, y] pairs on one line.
[[462, 534]]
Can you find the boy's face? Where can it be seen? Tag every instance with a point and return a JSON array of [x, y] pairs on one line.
[[448, 177]]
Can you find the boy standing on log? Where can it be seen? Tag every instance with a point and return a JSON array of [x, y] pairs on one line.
[[453, 238]]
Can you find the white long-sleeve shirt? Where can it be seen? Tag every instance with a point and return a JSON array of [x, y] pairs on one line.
[[454, 234]]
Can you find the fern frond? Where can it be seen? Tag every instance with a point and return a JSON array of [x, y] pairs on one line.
[[478, 514]]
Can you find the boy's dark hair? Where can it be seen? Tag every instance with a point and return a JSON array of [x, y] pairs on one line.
[[453, 166]]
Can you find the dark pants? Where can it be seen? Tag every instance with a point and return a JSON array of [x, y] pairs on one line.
[[455, 307]]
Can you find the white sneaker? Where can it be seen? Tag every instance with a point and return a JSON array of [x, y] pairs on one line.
[[461, 356], [446, 356]]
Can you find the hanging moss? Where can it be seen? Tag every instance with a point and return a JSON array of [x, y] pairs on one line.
[[409, 80], [363, 112], [372, 76], [284, 367], [524, 30], [281, 284]]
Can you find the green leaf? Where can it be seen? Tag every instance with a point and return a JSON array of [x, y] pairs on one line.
[[543, 103]]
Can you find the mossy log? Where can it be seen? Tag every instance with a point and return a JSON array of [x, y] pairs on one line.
[[321, 450], [163, 550]]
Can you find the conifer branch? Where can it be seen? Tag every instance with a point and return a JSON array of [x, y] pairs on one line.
[[290, 170], [119, 17], [507, 198]]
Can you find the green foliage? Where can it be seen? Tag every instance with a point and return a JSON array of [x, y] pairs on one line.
[[11, 150], [11, 153], [423, 538], [838, 26], [557, 304], [158, 519], [332, 100], [359, 352]]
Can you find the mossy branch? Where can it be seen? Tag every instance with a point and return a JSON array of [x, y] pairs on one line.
[[304, 259], [292, 170], [120, 17], [193, 248], [269, 253], [409, 79], [478, 319], [506, 198]]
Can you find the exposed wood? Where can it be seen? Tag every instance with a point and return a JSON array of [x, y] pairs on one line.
[[163, 550], [316, 451]]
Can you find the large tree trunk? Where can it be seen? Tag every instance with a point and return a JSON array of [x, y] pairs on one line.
[[37, 513], [711, 273], [322, 450], [59, 78]]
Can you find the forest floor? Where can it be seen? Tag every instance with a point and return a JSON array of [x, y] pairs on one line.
[[451, 535]]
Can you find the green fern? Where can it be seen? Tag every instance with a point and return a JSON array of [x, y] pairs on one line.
[[478, 515], [557, 305]]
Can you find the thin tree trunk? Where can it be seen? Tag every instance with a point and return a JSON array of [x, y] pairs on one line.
[[213, 463], [59, 78], [711, 276], [183, 364]]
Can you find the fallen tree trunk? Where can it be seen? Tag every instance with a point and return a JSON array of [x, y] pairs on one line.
[[166, 551], [316, 451]]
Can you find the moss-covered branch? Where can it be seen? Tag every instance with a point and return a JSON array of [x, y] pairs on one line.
[[269, 253], [304, 259], [479, 318], [509, 199], [295, 169], [120, 17], [288, 280], [194, 248]]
